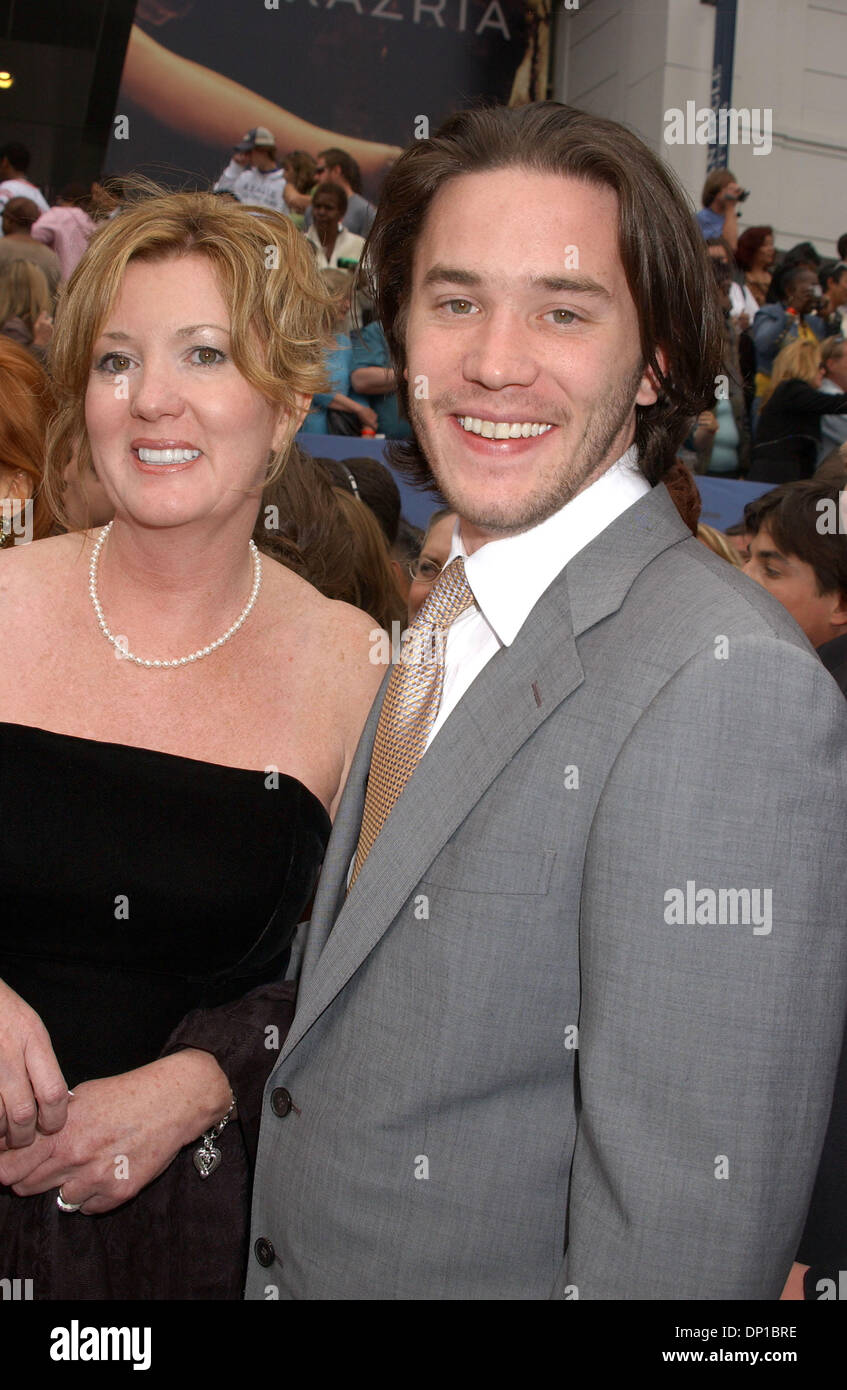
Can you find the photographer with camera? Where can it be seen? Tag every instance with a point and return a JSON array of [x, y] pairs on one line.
[[719, 213]]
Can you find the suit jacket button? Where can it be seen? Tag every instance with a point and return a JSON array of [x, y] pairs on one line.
[[281, 1102], [264, 1251]]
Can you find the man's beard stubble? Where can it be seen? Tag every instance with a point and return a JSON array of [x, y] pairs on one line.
[[587, 463]]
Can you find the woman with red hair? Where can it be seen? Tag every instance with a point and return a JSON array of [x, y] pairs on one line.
[[28, 403], [755, 254]]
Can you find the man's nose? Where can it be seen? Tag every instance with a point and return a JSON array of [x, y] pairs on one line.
[[500, 352]]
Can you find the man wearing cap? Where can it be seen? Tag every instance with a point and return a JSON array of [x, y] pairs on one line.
[[264, 182]]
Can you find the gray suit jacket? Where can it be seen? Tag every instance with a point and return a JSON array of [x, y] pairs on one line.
[[522, 1066]]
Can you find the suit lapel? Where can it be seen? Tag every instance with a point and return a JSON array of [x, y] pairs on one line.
[[329, 897], [514, 693]]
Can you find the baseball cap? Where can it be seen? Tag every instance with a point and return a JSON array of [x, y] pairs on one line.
[[260, 138]]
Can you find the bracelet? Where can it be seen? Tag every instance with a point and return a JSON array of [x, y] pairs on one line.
[[208, 1157]]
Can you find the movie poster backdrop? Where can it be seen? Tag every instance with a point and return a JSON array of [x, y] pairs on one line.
[[366, 75]]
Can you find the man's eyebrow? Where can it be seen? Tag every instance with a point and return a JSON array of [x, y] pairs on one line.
[[570, 284], [772, 555], [553, 284], [445, 273]]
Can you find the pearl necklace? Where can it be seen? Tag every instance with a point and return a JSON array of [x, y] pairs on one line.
[[181, 660]]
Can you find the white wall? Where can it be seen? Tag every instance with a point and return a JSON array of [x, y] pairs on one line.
[[634, 59]]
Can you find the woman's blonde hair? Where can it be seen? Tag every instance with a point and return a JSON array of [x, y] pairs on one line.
[[719, 543], [340, 284], [24, 293], [799, 360], [280, 312]]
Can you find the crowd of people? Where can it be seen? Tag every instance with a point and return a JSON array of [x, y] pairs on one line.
[[196, 643], [321, 196], [779, 410]]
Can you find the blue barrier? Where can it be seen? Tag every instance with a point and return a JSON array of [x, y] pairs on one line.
[[723, 499]]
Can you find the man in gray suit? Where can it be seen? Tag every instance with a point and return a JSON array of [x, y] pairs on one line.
[[572, 1030]]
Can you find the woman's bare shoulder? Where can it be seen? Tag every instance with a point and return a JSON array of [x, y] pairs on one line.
[[337, 642], [321, 616], [41, 565]]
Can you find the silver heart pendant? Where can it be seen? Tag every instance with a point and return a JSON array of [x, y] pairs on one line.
[[206, 1160]]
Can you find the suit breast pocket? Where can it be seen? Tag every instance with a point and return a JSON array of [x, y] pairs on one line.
[[491, 870], [494, 947]]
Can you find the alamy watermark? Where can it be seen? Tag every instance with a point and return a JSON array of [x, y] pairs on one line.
[[832, 519], [411, 646], [720, 907], [15, 521], [741, 125]]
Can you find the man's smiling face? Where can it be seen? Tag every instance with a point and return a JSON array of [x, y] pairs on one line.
[[522, 340]]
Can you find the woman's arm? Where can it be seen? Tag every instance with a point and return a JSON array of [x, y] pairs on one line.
[[373, 381], [812, 402], [341, 402], [244, 1037], [296, 200], [212, 108]]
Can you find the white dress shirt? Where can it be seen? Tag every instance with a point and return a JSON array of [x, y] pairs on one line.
[[509, 576]]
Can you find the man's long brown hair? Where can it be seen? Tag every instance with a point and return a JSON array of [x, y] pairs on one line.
[[660, 244]]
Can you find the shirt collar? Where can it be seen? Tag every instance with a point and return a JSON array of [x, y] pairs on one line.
[[509, 576]]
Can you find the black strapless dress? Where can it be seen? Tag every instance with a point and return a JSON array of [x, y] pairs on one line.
[[149, 903]]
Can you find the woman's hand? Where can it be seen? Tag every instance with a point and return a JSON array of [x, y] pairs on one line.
[[122, 1132], [33, 1093], [367, 417]]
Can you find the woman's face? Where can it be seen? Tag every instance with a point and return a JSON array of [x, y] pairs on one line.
[[177, 434], [767, 252], [326, 213]]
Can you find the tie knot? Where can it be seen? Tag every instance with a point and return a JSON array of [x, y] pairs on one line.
[[449, 596]]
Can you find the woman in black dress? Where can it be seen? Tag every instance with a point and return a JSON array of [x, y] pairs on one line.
[[177, 718], [788, 433]]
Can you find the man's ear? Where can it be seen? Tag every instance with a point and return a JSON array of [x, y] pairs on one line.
[[838, 614], [648, 391]]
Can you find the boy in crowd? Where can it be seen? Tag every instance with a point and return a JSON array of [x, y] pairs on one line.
[[798, 552]]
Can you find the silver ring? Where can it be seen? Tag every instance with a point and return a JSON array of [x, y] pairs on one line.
[[66, 1206]]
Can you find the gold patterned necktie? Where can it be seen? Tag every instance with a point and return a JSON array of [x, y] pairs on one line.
[[411, 702]]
